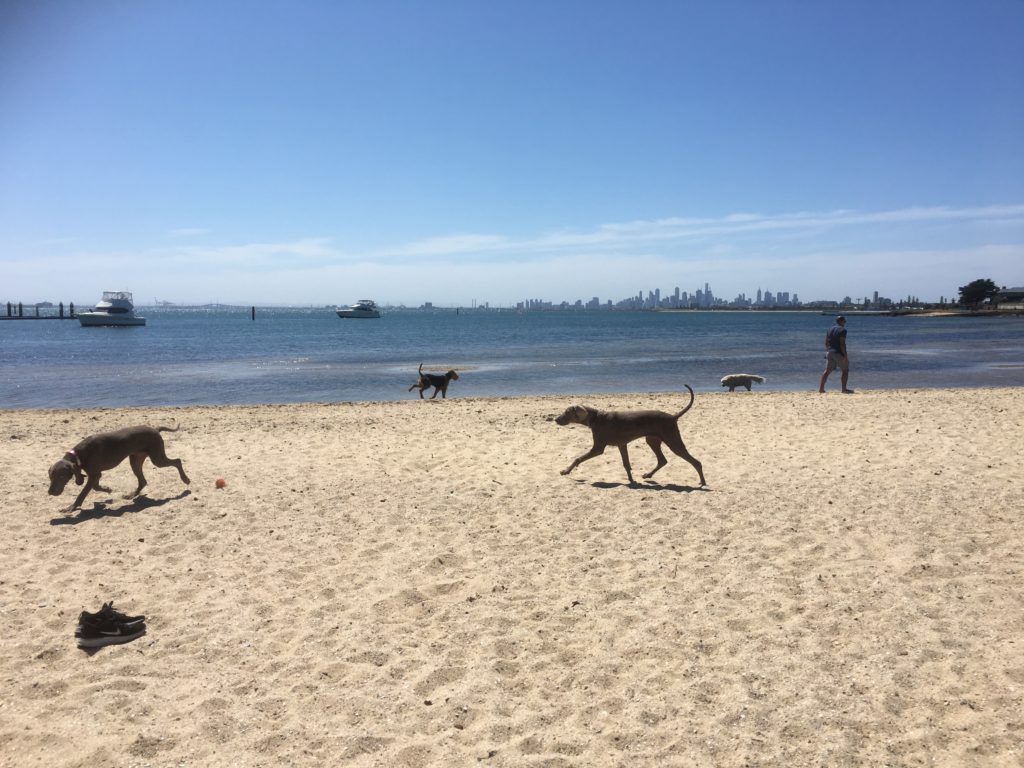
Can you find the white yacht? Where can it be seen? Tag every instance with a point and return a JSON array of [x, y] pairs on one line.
[[364, 308], [115, 308]]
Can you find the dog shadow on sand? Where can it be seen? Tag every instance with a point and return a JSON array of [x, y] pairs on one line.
[[101, 509], [650, 485]]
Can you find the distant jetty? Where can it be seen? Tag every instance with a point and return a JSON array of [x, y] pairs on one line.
[[43, 310]]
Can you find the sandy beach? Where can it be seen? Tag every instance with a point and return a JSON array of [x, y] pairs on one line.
[[415, 584]]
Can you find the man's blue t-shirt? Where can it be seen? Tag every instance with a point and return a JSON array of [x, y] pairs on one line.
[[834, 338]]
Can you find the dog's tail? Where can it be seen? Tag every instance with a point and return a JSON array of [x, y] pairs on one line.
[[168, 429], [758, 379], [688, 405], [420, 371]]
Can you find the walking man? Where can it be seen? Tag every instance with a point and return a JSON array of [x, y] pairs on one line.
[[835, 354]]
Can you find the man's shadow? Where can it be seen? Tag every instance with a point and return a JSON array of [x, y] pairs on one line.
[[100, 509]]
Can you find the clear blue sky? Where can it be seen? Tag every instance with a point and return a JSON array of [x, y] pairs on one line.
[[319, 152]]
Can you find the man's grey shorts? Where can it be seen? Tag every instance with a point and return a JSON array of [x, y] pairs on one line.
[[836, 360]]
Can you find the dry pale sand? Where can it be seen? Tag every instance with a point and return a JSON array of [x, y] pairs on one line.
[[414, 583]]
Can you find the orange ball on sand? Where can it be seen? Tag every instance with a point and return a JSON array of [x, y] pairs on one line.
[[220, 482]]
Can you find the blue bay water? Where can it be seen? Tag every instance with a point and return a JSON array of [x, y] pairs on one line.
[[222, 356]]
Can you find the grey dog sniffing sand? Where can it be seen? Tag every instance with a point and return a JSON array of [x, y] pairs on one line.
[[87, 461]]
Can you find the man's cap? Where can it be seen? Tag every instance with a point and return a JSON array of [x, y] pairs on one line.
[[840, 319]]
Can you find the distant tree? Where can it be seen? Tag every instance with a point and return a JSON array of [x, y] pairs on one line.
[[977, 291]]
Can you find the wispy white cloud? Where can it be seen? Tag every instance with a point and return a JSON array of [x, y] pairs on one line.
[[189, 232], [55, 241], [818, 254], [259, 257], [452, 244], [644, 233]]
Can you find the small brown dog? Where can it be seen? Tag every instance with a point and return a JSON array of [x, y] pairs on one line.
[[435, 380], [97, 453]]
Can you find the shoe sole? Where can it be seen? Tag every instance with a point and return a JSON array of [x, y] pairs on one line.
[[99, 642]]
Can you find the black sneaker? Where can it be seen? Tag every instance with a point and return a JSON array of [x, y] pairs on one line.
[[108, 614], [96, 635]]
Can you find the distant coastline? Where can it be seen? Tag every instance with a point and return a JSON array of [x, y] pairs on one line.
[[48, 311]]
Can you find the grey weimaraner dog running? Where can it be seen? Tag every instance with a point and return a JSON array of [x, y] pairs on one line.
[[98, 453], [619, 428]]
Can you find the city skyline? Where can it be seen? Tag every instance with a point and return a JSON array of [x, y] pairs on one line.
[[704, 298], [700, 298]]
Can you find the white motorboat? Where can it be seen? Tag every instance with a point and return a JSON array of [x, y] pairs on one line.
[[115, 308], [364, 308]]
